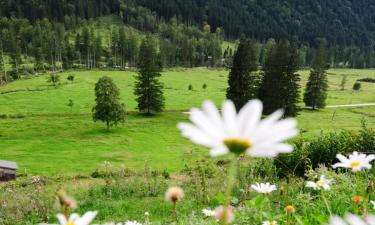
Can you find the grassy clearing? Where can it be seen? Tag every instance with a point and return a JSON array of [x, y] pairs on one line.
[[47, 137]]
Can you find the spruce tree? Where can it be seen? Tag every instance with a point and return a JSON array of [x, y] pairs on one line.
[[316, 88], [279, 88], [148, 89], [108, 107], [243, 80]]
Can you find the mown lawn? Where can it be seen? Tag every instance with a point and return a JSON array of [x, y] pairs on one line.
[[47, 137]]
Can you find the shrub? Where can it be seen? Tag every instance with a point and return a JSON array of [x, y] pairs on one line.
[[368, 80], [70, 78], [190, 88], [323, 150], [53, 78], [204, 86], [357, 86]]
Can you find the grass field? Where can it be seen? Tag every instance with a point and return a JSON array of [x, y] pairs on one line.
[[45, 136]]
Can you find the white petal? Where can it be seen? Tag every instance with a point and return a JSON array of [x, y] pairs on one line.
[[62, 219], [87, 218], [249, 117], [196, 135], [204, 123], [230, 118], [218, 151]]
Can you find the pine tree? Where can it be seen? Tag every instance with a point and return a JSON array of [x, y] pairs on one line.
[[316, 88], [280, 88], [148, 89], [108, 107], [243, 80]]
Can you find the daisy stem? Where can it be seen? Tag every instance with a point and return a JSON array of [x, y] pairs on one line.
[[231, 180], [326, 202], [174, 213]]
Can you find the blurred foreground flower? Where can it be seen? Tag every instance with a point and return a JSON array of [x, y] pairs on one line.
[[263, 188], [352, 220], [174, 195], [132, 223], [225, 214], [269, 222], [321, 184], [240, 133], [290, 209], [373, 204], [356, 161], [75, 219]]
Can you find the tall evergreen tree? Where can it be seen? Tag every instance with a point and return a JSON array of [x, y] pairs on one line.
[[148, 89], [280, 88], [243, 80], [108, 107], [316, 88]]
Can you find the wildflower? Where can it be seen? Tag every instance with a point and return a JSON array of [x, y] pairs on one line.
[[269, 222], [208, 213], [75, 219], [132, 223], [290, 209], [356, 161], [357, 199], [174, 194], [321, 184], [225, 214], [147, 213], [66, 201], [263, 188], [244, 132], [352, 220], [373, 204]]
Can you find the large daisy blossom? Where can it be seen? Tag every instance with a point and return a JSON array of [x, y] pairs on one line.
[[75, 219], [239, 132], [263, 188], [322, 184], [352, 220], [356, 161]]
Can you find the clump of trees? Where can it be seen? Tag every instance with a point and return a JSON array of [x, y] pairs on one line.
[[148, 88], [108, 107]]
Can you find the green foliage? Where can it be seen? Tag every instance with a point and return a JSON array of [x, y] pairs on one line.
[[204, 86], [280, 86], [243, 80], [70, 78], [190, 87], [316, 88], [357, 86], [108, 107], [322, 150], [148, 89], [53, 78]]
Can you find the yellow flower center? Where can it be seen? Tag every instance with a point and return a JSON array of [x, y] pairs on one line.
[[289, 209], [355, 164], [70, 223], [320, 183], [237, 145], [272, 223]]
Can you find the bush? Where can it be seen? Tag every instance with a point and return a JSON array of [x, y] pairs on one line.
[[70, 78], [190, 88], [204, 86], [357, 86], [323, 150]]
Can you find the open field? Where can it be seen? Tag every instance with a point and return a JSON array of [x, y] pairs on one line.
[[46, 137]]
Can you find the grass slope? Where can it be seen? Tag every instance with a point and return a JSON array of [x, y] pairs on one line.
[[47, 137]]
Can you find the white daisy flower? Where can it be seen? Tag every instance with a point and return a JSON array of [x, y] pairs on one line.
[[352, 220], [244, 132], [75, 219], [208, 212], [321, 184], [356, 161], [269, 222], [263, 188], [132, 223], [373, 204]]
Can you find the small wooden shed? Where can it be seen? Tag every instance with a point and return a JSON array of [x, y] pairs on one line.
[[7, 170]]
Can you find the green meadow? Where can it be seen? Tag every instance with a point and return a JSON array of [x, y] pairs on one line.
[[45, 136]]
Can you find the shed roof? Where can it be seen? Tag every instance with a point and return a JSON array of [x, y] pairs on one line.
[[8, 165]]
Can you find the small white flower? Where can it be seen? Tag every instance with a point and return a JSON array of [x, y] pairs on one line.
[[356, 161], [352, 220], [321, 184], [242, 132], [75, 219], [373, 204], [269, 222], [208, 212], [132, 223], [263, 188]]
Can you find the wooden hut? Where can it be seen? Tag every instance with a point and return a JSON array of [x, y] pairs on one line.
[[7, 171]]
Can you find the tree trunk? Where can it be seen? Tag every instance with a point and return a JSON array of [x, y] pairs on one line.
[[107, 125]]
